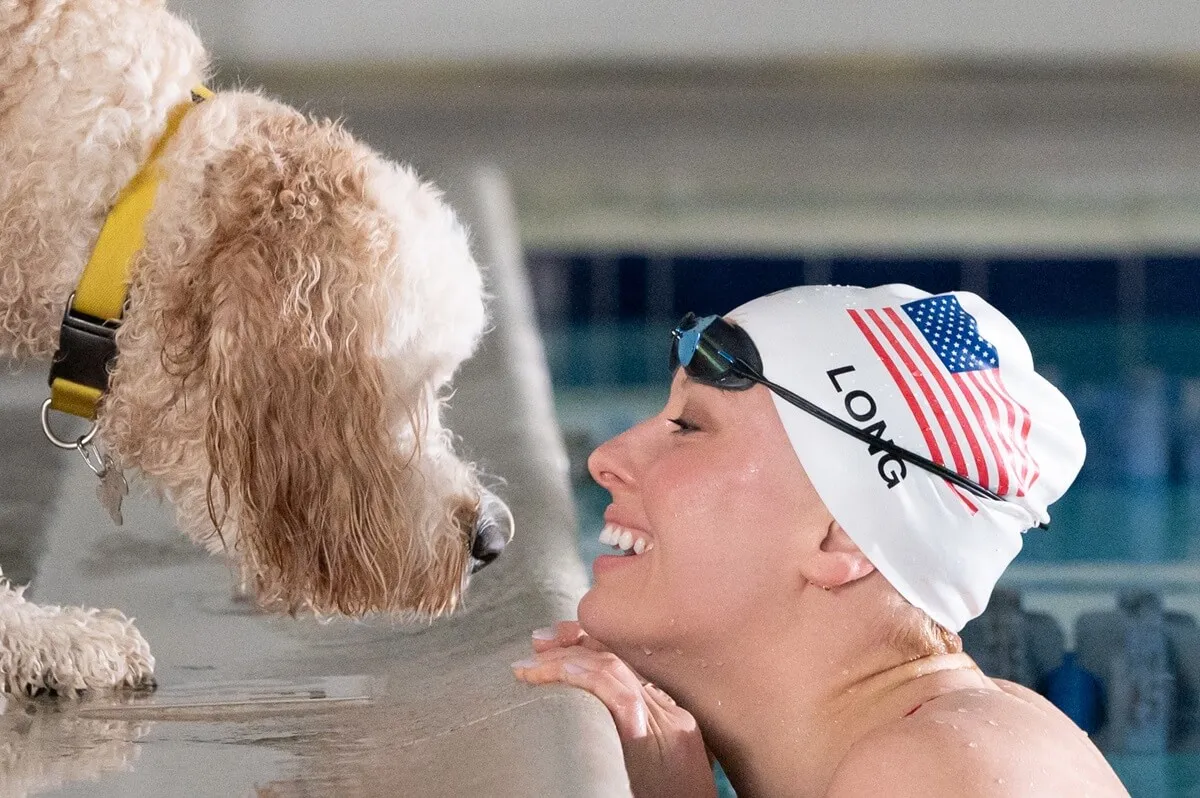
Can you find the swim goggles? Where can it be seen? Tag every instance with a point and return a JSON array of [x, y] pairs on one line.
[[722, 355]]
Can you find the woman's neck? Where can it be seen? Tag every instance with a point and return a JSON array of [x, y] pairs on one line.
[[780, 719]]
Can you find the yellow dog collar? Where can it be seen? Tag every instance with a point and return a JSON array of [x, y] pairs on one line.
[[87, 341]]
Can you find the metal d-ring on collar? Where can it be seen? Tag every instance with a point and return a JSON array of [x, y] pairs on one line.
[[83, 444]]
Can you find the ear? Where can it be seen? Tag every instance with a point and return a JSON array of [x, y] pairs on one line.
[[837, 561], [280, 330]]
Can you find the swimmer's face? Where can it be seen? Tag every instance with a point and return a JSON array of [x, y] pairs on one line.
[[713, 485]]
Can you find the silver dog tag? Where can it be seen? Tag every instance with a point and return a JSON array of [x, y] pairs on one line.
[[111, 490]]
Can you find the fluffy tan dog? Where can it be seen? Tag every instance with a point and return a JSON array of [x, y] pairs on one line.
[[293, 319]]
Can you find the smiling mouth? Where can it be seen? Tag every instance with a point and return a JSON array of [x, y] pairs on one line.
[[625, 540]]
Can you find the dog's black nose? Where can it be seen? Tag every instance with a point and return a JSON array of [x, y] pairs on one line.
[[493, 530]]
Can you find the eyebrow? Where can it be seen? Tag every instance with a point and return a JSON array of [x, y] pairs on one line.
[[701, 408], [688, 396]]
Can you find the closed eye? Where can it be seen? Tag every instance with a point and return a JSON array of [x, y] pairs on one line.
[[684, 425]]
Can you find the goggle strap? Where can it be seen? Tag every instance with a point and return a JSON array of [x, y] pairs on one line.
[[697, 328], [871, 440]]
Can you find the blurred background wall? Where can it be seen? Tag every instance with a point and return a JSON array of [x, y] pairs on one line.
[[512, 30], [769, 127]]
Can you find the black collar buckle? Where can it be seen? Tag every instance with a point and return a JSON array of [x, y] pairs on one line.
[[86, 347]]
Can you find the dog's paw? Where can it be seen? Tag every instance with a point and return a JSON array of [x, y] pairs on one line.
[[69, 651]]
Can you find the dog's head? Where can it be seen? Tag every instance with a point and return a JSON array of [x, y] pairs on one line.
[[296, 316]]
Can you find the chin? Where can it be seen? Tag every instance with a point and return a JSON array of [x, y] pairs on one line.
[[592, 614], [611, 618], [606, 618]]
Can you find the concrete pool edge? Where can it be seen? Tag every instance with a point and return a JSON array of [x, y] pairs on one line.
[[593, 751]]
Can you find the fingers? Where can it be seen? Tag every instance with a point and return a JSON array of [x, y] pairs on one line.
[[600, 673], [565, 653], [550, 662], [658, 696], [662, 745], [562, 635]]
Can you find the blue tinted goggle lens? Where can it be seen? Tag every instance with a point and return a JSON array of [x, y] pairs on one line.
[[687, 340], [714, 352]]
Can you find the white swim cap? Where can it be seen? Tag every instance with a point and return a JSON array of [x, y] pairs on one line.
[[946, 376]]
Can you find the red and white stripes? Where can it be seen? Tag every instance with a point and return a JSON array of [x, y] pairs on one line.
[[969, 420]]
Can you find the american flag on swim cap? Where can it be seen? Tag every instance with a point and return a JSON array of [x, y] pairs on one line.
[[949, 376]]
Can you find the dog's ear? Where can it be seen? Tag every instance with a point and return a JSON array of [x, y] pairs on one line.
[[282, 328]]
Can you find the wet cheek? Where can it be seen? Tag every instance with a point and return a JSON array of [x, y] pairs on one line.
[[706, 508], [683, 513], [715, 593], [764, 493], [688, 483], [748, 474]]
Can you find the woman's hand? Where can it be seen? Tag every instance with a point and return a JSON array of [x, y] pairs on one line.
[[664, 752]]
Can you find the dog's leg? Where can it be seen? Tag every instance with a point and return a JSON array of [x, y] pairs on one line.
[[68, 650]]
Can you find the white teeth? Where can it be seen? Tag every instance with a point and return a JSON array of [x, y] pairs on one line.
[[623, 539]]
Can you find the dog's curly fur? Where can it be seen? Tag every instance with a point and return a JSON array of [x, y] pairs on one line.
[[294, 317]]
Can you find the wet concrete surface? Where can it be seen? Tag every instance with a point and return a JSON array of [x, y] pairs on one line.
[[30, 471], [274, 706]]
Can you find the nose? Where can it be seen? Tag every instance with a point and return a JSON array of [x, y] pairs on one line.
[[609, 464], [493, 530]]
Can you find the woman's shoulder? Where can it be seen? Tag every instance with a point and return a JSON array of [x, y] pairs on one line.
[[985, 742]]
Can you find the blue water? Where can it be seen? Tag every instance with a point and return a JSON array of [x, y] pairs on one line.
[[1137, 499]]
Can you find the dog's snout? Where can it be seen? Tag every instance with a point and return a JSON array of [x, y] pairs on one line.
[[493, 530]]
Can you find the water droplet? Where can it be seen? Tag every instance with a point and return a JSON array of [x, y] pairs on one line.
[[972, 745], [999, 781], [993, 723]]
